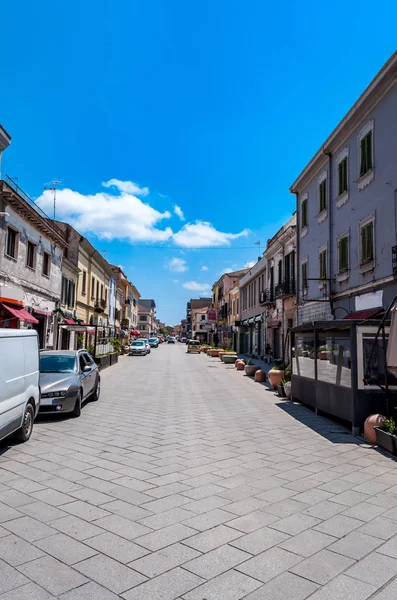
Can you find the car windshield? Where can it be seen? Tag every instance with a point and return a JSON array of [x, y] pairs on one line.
[[57, 363], [193, 343], [152, 339], [138, 343]]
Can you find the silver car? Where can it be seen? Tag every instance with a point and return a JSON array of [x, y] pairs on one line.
[[138, 348], [67, 378], [146, 343]]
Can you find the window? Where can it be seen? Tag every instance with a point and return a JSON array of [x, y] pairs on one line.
[[280, 271], [143, 318], [343, 255], [322, 188], [64, 290], [31, 255], [304, 213], [304, 277], [342, 176], [97, 290], [84, 283], [323, 264], [46, 264], [367, 242], [12, 243], [101, 291], [92, 287], [203, 317], [366, 153], [71, 293]]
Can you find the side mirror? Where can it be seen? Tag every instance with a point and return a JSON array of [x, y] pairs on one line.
[[87, 369]]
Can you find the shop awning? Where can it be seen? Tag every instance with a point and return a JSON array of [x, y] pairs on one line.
[[21, 314], [258, 318], [45, 313], [363, 315], [251, 320], [70, 322]]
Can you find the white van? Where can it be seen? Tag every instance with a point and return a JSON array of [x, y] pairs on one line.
[[19, 382]]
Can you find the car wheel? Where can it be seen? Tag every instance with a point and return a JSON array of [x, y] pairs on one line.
[[97, 391], [24, 433], [76, 412]]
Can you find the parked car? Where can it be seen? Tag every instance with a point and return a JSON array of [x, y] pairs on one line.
[[193, 346], [138, 348], [67, 379], [183, 340], [146, 343], [19, 382], [171, 340], [154, 342]]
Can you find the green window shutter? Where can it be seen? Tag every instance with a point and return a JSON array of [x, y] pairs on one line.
[[367, 242], [345, 175], [363, 167], [323, 195], [370, 241], [304, 213], [369, 150], [343, 255], [340, 178], [323, 264]]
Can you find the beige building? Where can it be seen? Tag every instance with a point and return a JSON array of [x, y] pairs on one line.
[[67, 314], [127, 301], [199, 323], [147, 322]]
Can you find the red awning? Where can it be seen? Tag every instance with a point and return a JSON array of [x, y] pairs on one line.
[[46, 313], [21, 314], [70, 322], [363, 315], [82, 323]]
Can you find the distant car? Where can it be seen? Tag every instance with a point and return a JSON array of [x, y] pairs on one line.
[[67, 379], [154, 342], [146, 342], [138, 348], [193, 346], [183, 340], [171, 340]]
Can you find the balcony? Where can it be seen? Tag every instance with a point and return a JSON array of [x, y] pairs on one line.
[[394, 259], [267, 297], [285, 288], [125, 323], [100, 305], [117, 314]]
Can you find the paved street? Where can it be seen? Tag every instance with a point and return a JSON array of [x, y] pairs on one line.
[[188, 480]]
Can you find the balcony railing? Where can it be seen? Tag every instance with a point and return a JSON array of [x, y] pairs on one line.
[[100, 305], [394, 259], [267, 296], [285, 288]]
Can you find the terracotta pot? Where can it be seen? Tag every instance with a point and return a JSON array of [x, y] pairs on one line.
[[275, 377], [371, 422], [250, 370], [214, 353], [221, 353], [229, 359], [288, 389], [239, 365], [260, 376]]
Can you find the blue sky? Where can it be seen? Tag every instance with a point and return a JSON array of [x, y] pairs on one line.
[[213, 107]]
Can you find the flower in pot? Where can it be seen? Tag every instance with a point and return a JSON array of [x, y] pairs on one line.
[[275, 375], [250, 369], [386, 436]]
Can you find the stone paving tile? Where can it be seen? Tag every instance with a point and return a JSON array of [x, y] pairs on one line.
[[167, 586], [285, 587], [375, 569], [29, 529], [121, 526], [7, 513], [116, 547], [52, 497], [166, 536], [380, 527], [89, 591], [217, 561], [121, 508], [52, 575], [85, 511], [168, 517], [75, 527], [253, 521], [355, 545], [42, 512], [269, 564], [212, 538], [15, 551], [168, 558], [209, 519], [30, 591], [307, 543], [338, 526], [260, 540], [109, 573], [10, 578], [228, 586], [65, 548], [322, 567]]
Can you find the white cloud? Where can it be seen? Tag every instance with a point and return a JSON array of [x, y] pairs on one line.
[[110, 215], [201, 234], [178, 265], [226, 270], [179, 212], [175, 280], [129, 187], [195, 286], [204, 268], [249, 264]]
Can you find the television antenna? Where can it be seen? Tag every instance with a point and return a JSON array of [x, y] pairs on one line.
[[52, 186], [259, 246]]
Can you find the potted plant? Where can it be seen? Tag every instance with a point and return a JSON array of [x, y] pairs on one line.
[[275, 375], [250, 369], [386, 436], [287, 382], [281, 390], [229, 358], [214, 352]]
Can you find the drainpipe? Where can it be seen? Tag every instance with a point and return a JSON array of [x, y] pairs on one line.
[[297, 266], [330, 232]]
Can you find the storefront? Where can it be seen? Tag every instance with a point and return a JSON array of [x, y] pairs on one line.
[[331, 370]]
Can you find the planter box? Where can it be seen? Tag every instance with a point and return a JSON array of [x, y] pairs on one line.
[[107, 361], [386, 440], [229, 359], [281, 391], [250, 370]]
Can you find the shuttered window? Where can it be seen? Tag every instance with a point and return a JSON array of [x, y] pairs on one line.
[[304, 276], [366, 154], [343, 255], [323, 264], [367, 242], [304, 214], [342, 176], [323, 195]]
